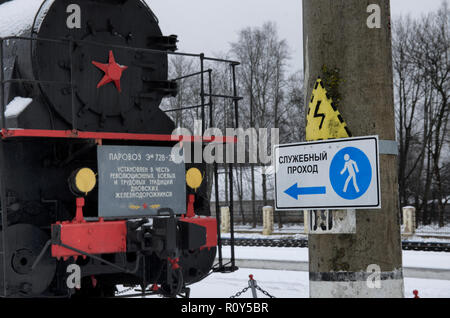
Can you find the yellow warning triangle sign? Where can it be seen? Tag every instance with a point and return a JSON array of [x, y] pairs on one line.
[[324, 120]]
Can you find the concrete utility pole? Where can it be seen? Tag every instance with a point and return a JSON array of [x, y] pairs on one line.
[[348, 44]]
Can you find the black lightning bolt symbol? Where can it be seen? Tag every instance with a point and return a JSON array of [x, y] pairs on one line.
[[317, 115]]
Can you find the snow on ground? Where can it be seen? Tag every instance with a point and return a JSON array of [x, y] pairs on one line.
[[255, 235], [439, 260], [268, 253], [287, 228], [428, 288], [289, 231], [428, 233], [434, 239], [289, 284], [281, 284], [433, 229], [295, 284]]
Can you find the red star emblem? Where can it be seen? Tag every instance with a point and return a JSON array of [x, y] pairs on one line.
[[113, 71]]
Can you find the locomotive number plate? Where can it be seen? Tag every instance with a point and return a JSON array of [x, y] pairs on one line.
[[138, 181]]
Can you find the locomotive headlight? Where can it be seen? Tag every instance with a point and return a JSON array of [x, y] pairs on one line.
[[83, 181], [194, 178]]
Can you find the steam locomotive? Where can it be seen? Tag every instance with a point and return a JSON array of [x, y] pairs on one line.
[[89, 184]]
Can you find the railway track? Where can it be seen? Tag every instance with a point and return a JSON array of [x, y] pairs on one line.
[[406, 245]]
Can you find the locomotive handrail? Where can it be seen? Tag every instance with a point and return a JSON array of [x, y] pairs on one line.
[[116, 46], [24, 80], [190, 75], [29, 38], [184, 108]]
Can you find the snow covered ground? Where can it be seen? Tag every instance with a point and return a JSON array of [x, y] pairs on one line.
[[289, 231], [428, 233], [281, 284], [438, 260], [433, 229], [295, 284], [427, 239], [289, 284]]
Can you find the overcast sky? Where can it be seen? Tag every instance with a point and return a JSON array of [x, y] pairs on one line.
[[210, 25]]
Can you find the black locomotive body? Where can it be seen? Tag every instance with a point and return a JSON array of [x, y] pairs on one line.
[[89, 74]]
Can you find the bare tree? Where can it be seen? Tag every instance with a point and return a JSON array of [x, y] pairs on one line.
[[262, 77], [411, 93], [422, 81]]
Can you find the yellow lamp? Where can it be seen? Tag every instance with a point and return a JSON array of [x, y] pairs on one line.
[[85, 180], [194, 178]]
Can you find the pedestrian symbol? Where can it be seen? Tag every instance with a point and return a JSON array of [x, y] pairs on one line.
[[350, 166], [350, 173]]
